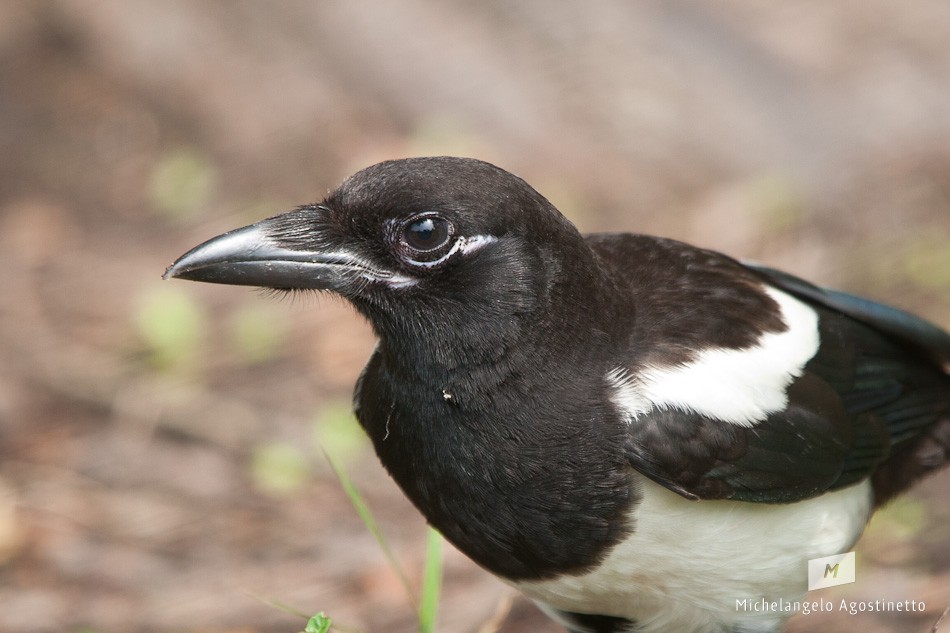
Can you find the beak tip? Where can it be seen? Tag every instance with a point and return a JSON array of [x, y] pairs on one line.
[[214, 253], [173, 270]]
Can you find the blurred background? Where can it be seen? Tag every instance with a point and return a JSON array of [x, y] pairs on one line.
[[160, 442]]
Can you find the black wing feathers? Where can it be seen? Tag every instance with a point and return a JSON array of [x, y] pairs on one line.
[[910, 330], [874, 400], [789, 456]]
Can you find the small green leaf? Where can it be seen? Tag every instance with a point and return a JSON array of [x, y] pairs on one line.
[[319, 623], [279, 468], [172, 324], [337, 432], [258, 331], [182, 182]]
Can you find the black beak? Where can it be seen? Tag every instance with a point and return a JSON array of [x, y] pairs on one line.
[[251, 256]]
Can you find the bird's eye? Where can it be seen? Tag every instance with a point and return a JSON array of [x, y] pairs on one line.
[[427, 234]]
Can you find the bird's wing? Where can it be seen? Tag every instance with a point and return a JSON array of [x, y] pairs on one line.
[[811, 446], [918, 335], [873, 385]]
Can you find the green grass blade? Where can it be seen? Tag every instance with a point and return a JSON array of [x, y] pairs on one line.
[[431, 583], [366, 515], [276, 604]]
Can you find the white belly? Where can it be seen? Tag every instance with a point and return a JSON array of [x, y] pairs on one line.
[[688, 562]]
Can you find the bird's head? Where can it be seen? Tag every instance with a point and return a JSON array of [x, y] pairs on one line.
[[445, 249]]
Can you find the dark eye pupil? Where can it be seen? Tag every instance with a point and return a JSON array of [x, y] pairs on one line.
[[427, 233]]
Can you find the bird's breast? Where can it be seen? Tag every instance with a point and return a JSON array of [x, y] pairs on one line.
[[527, 489]]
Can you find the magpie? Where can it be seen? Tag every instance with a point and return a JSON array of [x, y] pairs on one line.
[[635, 433]]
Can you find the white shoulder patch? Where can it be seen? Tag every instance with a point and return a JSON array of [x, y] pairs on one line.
[[740, 386]]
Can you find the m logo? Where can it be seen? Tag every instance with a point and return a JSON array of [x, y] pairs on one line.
[[830, 571]]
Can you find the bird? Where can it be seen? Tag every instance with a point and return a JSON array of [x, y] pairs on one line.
[[635, 433]]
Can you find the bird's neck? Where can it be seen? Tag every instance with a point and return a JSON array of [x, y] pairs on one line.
[[481, 422], [483, 449], [517, 321]]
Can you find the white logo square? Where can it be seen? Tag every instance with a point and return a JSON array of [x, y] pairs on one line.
[[830, 571]]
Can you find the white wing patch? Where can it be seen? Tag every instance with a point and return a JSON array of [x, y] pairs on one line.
[[740, 386]]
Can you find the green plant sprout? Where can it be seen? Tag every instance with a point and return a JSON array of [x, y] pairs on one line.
[[427, 605]]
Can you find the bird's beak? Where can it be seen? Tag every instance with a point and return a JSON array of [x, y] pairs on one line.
[[252, 256]]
